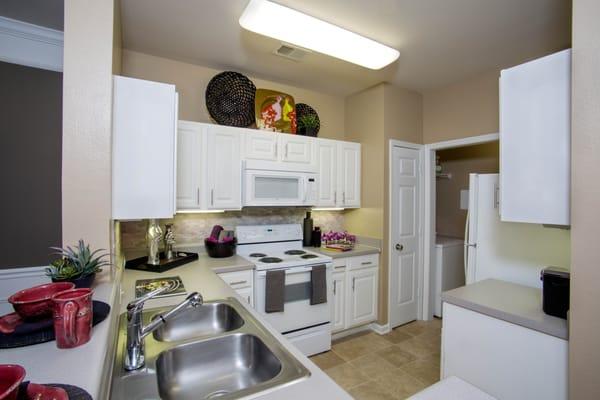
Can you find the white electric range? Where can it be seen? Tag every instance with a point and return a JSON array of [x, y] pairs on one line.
[[279, 247]]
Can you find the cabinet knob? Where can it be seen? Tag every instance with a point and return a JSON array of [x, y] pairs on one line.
[[399, 247]]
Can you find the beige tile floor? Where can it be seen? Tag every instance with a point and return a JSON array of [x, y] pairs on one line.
[[385, 367]]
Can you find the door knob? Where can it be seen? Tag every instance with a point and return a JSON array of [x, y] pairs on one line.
[[399, 247]]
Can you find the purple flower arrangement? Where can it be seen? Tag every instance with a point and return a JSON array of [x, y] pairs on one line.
[[332, 237]]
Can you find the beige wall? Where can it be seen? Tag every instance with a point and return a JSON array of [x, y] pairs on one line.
[[584, 326], [462, 109], [373, 117], [460, 162], [191, 81], [365, 124], [87, 110]]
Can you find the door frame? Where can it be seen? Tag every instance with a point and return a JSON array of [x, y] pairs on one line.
[[429, 219], [420, 265]]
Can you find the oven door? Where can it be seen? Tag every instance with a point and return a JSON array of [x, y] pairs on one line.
[[297, 313], [279, 188]]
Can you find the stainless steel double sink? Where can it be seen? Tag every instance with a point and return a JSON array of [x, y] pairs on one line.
[[217, 350]]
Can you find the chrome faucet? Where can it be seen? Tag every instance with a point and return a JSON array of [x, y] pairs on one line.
[[136, 331]]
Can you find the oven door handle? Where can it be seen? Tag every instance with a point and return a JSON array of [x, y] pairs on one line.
[[294, 270]]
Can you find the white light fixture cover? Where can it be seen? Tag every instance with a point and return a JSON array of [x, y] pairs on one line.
[[291, 26]]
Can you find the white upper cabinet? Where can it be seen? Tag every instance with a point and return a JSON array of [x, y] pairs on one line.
[[535, 119], [349, 174], [209, 167], [190, 148], [297, 149], [260, 145], [338, 164], [144, 149], [224, 168], [327, 164]]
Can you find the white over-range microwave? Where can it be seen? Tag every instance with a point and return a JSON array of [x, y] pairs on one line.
[[279, 188]]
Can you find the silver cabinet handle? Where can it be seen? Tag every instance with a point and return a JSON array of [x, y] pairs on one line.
[[248, 299], [334, 286], [335, 197], [399, 247], [276, 147], [344, 197], [212, 197], [238, 283], [286, 151], [198, 196], [353, 280], [339, 267], [366, 263]]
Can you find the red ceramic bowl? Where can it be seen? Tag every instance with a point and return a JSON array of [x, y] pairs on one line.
[[11, 377], [36, 301]]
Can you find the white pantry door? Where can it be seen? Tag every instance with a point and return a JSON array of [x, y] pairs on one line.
[[405, 223]]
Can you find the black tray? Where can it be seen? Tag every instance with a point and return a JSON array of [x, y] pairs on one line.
[[30, 333], [74, 392], [180, 259]]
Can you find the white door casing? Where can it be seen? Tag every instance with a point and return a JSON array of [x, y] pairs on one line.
[[404, 235]]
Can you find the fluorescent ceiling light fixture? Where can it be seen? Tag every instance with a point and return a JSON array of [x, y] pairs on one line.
[[291, 26], [199, 211], [328, 209]]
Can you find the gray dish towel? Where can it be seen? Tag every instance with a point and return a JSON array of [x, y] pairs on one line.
[[318, 285], [275, 291]]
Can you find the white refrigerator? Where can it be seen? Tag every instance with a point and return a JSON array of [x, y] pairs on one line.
[[509, 251]]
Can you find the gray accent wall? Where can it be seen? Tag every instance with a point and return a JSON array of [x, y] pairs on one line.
[[30, 164]]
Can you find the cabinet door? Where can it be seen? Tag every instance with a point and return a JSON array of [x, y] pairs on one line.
[[189, 165], [224, 169], [247, 294], [349, 175], [338, 318], [260, 145], [327, 165], [535, 133], [143, 154], [297, 149], [362, 297]]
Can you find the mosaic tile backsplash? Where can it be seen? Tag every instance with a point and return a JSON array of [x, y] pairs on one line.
[[193, 228]]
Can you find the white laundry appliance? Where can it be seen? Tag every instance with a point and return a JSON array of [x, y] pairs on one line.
[[449, 271]]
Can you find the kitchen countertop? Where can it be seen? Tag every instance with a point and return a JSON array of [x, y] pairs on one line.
[[359, 250], [84, 366], [510, 302], [200, 276]]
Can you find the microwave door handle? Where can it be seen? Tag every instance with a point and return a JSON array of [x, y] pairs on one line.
[[305, 189]]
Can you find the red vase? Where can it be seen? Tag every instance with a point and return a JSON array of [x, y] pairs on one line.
[[72, 310]]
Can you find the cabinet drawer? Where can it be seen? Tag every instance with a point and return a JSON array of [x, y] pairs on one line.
[[371, 260], [340, 264], [238, 279]]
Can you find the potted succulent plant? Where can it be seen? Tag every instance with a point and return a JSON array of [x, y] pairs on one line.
[[308, 124], [78, 265]]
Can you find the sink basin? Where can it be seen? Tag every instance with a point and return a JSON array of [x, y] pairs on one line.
[[216, 368], [210, 319]]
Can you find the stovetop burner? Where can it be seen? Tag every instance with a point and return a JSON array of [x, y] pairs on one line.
[[258, 255], [307, 256], [270, 260], [294, 252]]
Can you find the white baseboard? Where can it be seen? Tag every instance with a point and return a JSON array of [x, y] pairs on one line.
[[374, 327], [380, 329]]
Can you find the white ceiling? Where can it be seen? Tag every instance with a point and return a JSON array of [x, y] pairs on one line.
[[440, 41]]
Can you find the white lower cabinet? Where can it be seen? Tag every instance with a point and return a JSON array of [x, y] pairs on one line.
[[338, 319], [362, 307], [506, 360], [242, 282], [355, 294]]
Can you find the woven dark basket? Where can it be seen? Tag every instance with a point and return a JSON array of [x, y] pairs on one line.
[[304, 109], [230, 99]]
